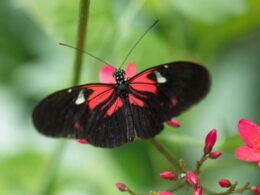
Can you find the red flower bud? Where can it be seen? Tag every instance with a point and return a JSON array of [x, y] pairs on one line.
[[164, 193], [198, 190], [256, 189], [173, 122], [210, 141], [168, 175], [224, 183], [82, 141], [215, 155], [121, 186], [192, 178]]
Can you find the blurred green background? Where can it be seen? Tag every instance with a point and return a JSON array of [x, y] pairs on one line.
[[222, 35]]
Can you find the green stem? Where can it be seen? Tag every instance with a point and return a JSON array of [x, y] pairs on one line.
[[52, 167], [200, 163], [166, 154], [81, 38], [176, 187]]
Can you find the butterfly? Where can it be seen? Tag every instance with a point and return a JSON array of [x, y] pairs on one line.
[[112, 114]]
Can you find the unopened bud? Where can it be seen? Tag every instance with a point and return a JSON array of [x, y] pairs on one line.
[[210, 141], [224, 183], [82, 141], [121, 186], [198, 191], [164, 193], [215, 155], [173, 122], [168, 175], [256, 189], [192, 178]]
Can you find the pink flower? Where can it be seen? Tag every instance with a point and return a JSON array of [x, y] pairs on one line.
[[256, 189], [174, 123], [210, 141], [121, 186], [224, 183], [164, 193], [198, 191], [168, 175], [192, 178], [106, 73], [250, 134], [215, 155]]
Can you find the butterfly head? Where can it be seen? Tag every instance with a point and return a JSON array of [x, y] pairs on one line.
[[119, 76]]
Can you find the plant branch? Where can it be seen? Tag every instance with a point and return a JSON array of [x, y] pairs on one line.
[[81, 39], [200, 163], [165, 153], [231, 190]]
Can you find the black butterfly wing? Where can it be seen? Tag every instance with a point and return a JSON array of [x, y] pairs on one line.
[[164, 91], [93, 112]]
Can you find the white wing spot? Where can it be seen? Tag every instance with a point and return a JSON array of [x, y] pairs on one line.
[[80, 99], [69, 90], [159, 77], [166, 66]]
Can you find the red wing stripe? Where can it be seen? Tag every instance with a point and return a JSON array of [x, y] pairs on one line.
[[136, 101], [144, 87], [141, 82], [140, 85], [105, 97], [115, 106], [102, 93], [99, 94]]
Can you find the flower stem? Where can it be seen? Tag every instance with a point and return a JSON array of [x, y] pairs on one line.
[[166, 154], [81, 38], [52, 167], [200, 163]]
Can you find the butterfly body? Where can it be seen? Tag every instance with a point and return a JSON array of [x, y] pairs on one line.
[[115, 113], [122, 87]]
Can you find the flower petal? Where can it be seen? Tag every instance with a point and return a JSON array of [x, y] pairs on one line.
[[249, 132], [106, 74], [130, 70], [246, 153]]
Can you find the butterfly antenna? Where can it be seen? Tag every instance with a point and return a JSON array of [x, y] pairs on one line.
[[138, 41], [97, 58]]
